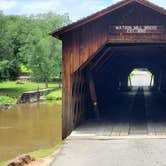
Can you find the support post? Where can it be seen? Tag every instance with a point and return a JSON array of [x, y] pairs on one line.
[[163, 80], [93, 95], [152, 76], [130, 81], [156, 78]]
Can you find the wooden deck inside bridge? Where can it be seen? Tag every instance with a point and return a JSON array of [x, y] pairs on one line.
[[140, 114]]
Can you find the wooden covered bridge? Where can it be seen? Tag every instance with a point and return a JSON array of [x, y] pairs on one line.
[[99, 53]]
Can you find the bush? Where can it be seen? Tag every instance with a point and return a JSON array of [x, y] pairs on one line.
[[25, 70], [9, 69], [7, 100], [57, 95]]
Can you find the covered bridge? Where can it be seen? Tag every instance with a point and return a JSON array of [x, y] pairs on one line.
[[99, 53]]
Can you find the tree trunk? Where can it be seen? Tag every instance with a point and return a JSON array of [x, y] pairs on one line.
[[46, 84], [59, 80]]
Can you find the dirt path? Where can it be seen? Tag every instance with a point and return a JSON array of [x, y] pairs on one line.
[[42, 162]]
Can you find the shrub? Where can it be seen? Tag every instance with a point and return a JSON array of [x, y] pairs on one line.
[[7, 100], [57, 95]]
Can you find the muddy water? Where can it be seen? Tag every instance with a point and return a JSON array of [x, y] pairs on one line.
[[29, 127]]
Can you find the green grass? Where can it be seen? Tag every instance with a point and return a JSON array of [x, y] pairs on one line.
[[45, 152], [56, 95], [4, 163], [7, 100], [12, 89]]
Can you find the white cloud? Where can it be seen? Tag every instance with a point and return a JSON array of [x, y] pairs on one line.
[[76, 8], [5, 5], [161, 3]]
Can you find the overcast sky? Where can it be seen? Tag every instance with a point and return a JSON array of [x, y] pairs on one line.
[[76, 8]]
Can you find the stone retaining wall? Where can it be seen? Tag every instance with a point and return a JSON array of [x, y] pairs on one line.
[[33, 96]]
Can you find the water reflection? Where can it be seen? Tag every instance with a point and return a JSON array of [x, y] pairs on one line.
[[29, 127]]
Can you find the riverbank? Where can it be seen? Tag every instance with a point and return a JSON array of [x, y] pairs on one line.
[[42, 157], [11, 90], [14, 88], [7, 100], [30, 117], [6, 106], [45, 157]]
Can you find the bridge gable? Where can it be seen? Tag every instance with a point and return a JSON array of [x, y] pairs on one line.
[[133, 22]]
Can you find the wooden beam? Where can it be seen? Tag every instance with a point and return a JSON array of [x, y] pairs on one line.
[[130, 81], [109, 63], [93, 95], [152, 76], [102, 63], [105, 61], [94, 56], [100, 58]]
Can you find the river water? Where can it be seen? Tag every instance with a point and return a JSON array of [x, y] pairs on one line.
[[29, 127]]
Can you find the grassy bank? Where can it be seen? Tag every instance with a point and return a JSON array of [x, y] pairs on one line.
[[56, 95], [7, 100], [4, 163], [39, 153], [13, 89], [45, 152], [10, 90]]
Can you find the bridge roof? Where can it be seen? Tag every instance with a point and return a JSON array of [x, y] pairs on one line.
[[103, 12]]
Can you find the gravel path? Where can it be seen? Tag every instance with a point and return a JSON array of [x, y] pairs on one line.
[[140, 152]]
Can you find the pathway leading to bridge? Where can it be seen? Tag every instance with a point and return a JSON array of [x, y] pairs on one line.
[[135, 136]]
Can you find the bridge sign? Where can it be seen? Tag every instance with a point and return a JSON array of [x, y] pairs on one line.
[[136, 29]]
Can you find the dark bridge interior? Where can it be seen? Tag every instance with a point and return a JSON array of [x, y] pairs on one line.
[[109, 91]]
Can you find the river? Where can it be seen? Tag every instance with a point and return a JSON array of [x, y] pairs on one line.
[[29, 127]]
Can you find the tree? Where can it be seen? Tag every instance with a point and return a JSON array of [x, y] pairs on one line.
[[23, 38], [40, 62]]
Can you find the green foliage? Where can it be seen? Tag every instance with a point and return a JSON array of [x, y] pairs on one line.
[[8, 69], [4, 69], [7, 100], [57, 95], [24, 69], [24, 39], [41, 63]]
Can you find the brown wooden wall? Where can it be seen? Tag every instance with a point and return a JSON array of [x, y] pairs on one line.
[[80, 44]]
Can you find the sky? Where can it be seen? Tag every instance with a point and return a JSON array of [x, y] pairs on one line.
[[76, 8]]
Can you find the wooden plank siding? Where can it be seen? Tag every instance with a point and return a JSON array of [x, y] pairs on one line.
[[82, 42]]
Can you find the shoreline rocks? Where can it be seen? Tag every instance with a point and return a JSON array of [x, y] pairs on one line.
[[21, 160], [6, 106]]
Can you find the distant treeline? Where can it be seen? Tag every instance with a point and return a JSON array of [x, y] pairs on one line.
[[26, 47]]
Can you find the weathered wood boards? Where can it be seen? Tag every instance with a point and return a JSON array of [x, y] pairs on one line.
[[130, 21], [138, 33]]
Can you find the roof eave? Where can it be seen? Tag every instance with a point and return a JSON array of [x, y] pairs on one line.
[[58, 33]]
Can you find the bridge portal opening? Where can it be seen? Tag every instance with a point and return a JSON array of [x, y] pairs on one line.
[[103, 88], [141, 77]]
